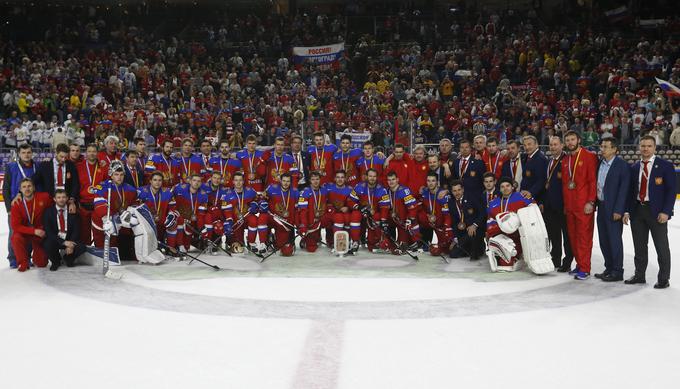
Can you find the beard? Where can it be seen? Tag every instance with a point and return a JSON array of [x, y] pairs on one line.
[[572, 148]]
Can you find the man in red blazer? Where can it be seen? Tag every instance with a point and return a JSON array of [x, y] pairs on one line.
[[26, 218], [579, 186]]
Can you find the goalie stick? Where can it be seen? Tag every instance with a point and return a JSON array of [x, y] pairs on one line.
[[175, 252]]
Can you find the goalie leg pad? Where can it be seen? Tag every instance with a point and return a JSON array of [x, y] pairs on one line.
[[534, 238], [502, 254], [146, 243]]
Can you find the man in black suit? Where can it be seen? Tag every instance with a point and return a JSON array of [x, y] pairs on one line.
[[553, 209], [302, 161], [467, 215], [514, 165], [61, 233], [469, 171], [534, 172], [435, 167], [58, 173], [134, 175]]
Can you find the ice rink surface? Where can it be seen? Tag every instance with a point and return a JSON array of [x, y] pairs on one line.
[[316, 321]]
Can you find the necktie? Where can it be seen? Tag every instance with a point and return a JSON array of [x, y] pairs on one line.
[[60, 176], [643, 181], [463, 166], [62, 221], [514, 168]]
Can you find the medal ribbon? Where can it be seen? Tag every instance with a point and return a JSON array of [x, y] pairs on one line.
[[507, 202], [240, 201], [571, 174], [316, 200], [121, 196], [459, 208], [285, 200], [32, 213], [157, 202], [91, 177], [495, 165], [430, 199]]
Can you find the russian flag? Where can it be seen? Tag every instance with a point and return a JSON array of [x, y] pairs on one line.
[[670, 89]]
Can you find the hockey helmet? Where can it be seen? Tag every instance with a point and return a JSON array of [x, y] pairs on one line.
[[508, 222], [116, 166]]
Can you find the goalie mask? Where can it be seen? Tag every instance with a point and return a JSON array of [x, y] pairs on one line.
[[116, 166], [508, 222]]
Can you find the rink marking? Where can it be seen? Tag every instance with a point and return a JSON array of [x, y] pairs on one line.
[[319, 366], [87, 282]]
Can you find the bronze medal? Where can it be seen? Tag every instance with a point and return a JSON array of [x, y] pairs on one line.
[[394, 214], [572, 185], [317, 213], [285, 213], [251, 176], [461, 226], [193, 218], [433, 218]]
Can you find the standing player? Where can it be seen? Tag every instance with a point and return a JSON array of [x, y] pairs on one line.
[[278, 162], [160, 201], [321, 156], [280, 206], [90, 174], [490, 190], [225, 164], [165, 164], [343, 203], [369, 160], [418, 170], [192, 205], [398, 163], [204, 159], [346, 159], [313, 213], [579, 187], [253, 166], [188, 162], [434, 215], [241, 205], [493, 159], [374, 203], [403, 213]]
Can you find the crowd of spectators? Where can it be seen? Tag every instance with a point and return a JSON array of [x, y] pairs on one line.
[[497, 75]]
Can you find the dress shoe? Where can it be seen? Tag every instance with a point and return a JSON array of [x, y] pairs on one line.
[[662, 285], [635, 280], [601, 275], [610, 277], [564, 268], [54, 267]]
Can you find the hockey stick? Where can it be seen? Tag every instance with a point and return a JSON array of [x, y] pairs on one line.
[[210, 243], [174, 251]]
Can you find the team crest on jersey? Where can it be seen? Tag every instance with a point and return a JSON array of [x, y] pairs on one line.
[[658, 180]]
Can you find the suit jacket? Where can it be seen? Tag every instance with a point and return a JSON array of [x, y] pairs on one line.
[[615, 188], [52, 228], [553, 198], [44, 179], [473, 178], [662, 188], [473, 211], [534, 175], [129, 178], [306, 163], [506, 171]]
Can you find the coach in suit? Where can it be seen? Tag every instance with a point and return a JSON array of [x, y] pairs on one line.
[[435, 167], [514, 165], [613, 183], [467, 217], [58, 173], [134, 174], [553, 209], [469, 170], [61, 233], [534, 172], [302, 161], [650, 206]]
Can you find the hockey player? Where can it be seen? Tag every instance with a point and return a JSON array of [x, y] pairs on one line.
[[188, 162], [164, 163], [116, 195], [403, 212], [225, 164], [493, 159], [369, 160], [26, 220], [434, 215], [110, 152], [418, 170], [216, 193], [90, 174], [277, 163], [374, 203], [241, 206], [192, 205], [314, 214], [398, 163], [253, 166], [321, 158], [467, 214], [344, 206], [160, 201], [501, 248], [346, 159], [280, 206]]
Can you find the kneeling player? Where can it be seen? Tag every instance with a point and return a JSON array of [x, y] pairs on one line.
[[26, 219], [313, 212], [404, 214], [280, 208], [191, 204], [217, 212], [159, 200], [434, 215]]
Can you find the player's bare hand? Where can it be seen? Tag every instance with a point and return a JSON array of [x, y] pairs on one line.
[[617, 216], [589, 208], [472, 230], [662, 218], [626, 218], [39, 233]]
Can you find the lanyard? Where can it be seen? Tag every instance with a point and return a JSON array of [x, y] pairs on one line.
[[342, 160], [495, 165], [552, 167], [32, 213], [217, 196], [278, 165], [507, 202], [135, 177], [90, 176], [459, 208], [21, 170], [319, 158], [187, 170], [121, 196], [194, 205], [285, 199], [252, 162], [366, 166], [223, 166], [240, 201], [156, 202], [370, 199], [430, 199], [572, 173], [316, 200]]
